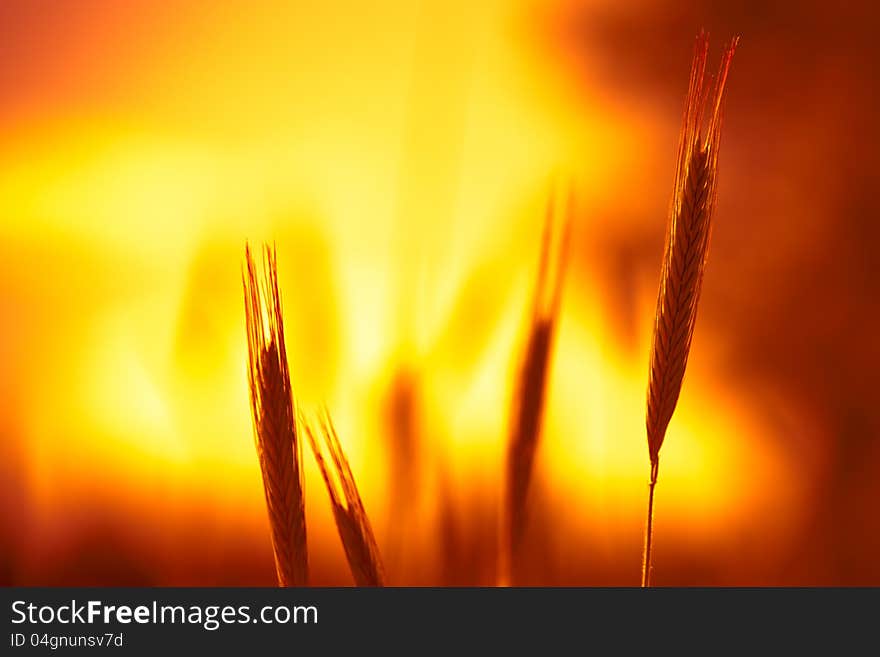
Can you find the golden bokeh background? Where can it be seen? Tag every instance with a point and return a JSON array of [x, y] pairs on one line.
[[399, 155]]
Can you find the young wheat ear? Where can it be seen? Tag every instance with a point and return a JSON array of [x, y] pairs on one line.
[[527, 406], [687, 245], [278, 446], [352, 521]]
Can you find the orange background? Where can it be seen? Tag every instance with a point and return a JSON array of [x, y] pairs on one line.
[[399, 154]]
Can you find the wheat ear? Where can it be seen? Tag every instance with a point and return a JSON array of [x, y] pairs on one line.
[[278, 446], [684, 260], [352, 521], [527, 406]]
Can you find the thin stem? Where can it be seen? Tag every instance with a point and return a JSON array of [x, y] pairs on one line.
[[649, 529]]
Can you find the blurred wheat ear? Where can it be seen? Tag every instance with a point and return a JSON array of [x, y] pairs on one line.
[[684, 260], [278, 446], [527, 406], [352, 521]]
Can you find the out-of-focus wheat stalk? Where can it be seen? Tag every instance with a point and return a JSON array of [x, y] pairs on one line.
[[351, 517], [684, 260], [527, 406], [272, 405]]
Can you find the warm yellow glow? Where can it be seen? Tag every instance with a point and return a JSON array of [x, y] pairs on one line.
[[399, 161]]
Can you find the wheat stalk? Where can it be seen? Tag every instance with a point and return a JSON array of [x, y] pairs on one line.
[[684, 260], [527, 406], [352, 521], [272, 406]]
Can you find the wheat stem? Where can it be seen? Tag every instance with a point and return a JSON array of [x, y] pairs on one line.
[[528, 403], [684, 260], [649, 529], [278, 447], [351, 518]]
